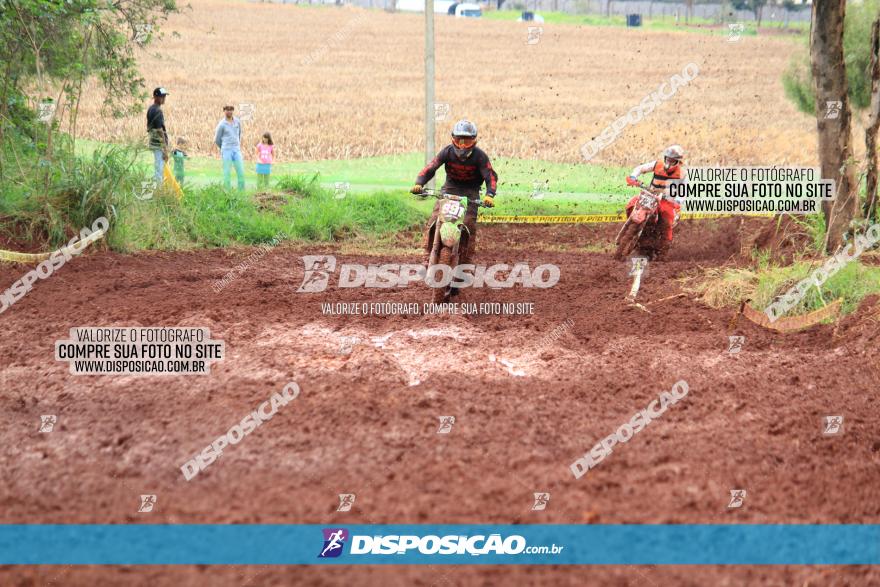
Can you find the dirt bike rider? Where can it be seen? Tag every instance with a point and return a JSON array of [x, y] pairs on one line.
[[467, 167], [666, 169]]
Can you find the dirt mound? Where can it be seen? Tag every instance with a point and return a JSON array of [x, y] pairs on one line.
[[269, 201], [783, 237], [861, 329]]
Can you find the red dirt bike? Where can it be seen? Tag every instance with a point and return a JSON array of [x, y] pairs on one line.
[[447, 236], [641, 233]]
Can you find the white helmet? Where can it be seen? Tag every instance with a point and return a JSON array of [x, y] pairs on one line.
[[674, 152], [464, 137], [465, 128]]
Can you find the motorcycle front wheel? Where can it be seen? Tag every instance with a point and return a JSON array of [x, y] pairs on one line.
[[444, 257], [628, 241]]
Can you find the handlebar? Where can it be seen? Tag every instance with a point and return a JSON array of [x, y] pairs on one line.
[[641, 185], [440, 195]]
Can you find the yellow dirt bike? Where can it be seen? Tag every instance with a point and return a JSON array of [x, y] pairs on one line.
[[446, 241]]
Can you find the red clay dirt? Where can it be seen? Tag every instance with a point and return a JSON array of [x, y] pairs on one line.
[[366, 420]]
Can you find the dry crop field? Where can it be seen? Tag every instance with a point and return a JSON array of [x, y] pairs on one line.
[[343, 82]]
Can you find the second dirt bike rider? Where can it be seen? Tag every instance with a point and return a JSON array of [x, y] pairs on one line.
[[467, 167], [666, 169]]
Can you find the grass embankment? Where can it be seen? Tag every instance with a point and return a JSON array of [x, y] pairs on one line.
[[49, 200], [766, 279]]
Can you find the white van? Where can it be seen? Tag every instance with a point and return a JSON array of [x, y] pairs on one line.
[[468, 10]]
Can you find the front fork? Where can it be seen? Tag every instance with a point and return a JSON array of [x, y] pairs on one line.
[[437, 243]]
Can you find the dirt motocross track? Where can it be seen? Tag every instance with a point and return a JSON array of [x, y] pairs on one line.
[[366, 420]]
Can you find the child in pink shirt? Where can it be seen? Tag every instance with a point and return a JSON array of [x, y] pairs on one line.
[[265, 157]]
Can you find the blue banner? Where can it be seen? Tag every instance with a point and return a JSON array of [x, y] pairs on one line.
[[453, 544]]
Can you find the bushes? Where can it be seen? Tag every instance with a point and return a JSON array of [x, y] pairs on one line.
[[54, 199], [798, 79]]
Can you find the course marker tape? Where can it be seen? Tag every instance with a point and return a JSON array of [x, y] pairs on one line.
[[792, 323], [584, 218], [15, 257]]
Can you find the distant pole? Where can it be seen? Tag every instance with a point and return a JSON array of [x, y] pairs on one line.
[[429, 83]]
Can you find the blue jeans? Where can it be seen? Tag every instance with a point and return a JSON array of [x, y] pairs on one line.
[[230, 157], [159, 164]]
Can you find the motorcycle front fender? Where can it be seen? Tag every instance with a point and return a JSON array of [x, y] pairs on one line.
[[450, 234]]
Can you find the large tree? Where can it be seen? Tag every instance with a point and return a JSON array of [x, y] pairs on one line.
[[833, 117], [873, 122], [49, 48]]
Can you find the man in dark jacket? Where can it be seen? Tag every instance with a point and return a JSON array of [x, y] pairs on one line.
[[467, 168], [158, 135]]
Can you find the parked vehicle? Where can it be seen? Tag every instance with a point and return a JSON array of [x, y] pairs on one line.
[[468, 10]]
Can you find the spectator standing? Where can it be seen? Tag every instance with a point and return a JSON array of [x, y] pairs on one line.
[[227, 137], [158, 135]]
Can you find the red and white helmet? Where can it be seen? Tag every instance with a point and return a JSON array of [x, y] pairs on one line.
[[673, 152]]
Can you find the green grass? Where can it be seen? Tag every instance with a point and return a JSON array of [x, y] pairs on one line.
[[214, 217], [525, 186], [657, 22]]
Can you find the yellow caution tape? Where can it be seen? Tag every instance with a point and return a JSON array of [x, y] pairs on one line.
[[170, 183], [569, 219], [37, 257], [585, 218]]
